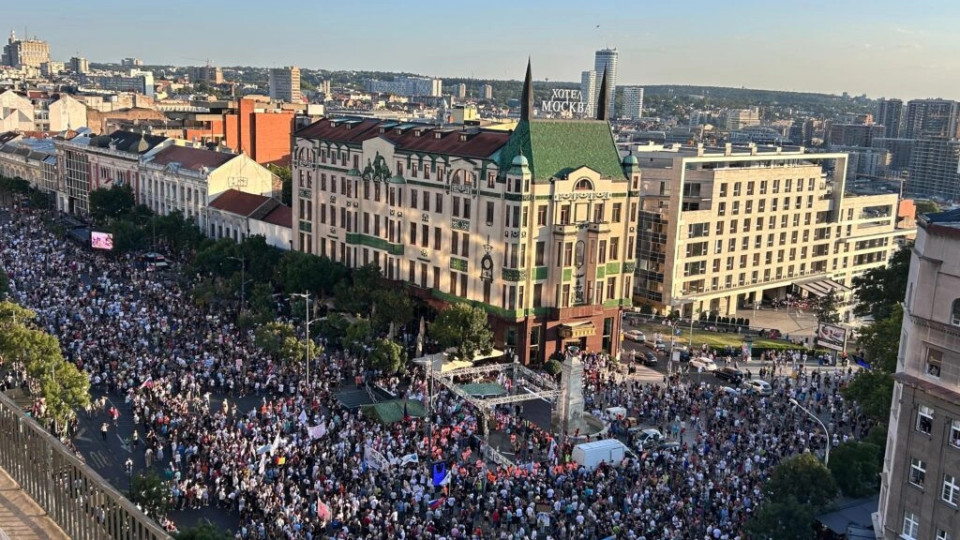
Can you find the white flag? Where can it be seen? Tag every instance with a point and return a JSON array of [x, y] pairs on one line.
[[410, 458], [302, 417], [317, 431], [446, 479]]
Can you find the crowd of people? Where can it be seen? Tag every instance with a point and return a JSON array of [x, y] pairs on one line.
[[299, 464]]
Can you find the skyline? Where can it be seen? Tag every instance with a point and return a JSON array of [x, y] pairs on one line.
[[884, 51]]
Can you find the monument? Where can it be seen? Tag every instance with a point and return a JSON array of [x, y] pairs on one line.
[[568, 415]]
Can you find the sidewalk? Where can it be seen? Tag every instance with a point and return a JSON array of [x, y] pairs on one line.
[[20, 517]]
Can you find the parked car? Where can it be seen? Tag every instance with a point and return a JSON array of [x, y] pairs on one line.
[[730, 390], [649, 359], [635, 336], [730, 374], [648, 438], [703, 362], [759, 387], [657, 345]]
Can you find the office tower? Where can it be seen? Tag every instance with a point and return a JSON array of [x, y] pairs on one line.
[[285, 84], [79, 65], [606, 60], [588, 93], [487, 91], [461, 90], [25, 52], [632, 102], [890, 114], [722, 227], [934, 163], [930, 118], [920, 481]]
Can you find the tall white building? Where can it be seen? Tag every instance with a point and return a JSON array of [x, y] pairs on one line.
[[632, 102], [406, 86], [588, 93], [285, 84], [606, 60]]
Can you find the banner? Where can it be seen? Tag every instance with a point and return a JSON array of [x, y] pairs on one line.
[[375, 459], [317, 431], [831, 337]]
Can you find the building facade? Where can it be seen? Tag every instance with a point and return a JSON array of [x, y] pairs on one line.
[[533, 226], [890, 115], [487, 91], [237, 215], [853, 134], [588, 92], [736, 119], [606, 61], [722, 228], [920, 482], [285, 84], [208, 75], [79, 65], [137, 81], [931, 118], [20, 53], [114, 159], [632, 102], [406, 86], [934, 169]]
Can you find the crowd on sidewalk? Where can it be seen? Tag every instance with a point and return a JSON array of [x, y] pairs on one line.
[[301, 465]]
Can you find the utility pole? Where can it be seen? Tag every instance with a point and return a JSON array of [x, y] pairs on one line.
[[306, 334], [243, 280]]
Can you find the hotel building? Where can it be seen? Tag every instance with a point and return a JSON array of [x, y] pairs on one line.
[[920, 482], [720, 228], [536, 226]]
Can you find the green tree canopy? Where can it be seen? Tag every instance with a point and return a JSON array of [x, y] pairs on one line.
[[113, 203], [286, 180], [301, 272], [150, 493], [356, 295], [204, 531], [826, 309], [880, 340], [803, 478], [358, 336], [280, 341], [856, 468], [464, 328], [391, 306], [386, 356], [782, 520], [879, 289], [872, 389]]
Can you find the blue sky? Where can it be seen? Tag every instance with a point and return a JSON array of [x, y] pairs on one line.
[[878, 47]]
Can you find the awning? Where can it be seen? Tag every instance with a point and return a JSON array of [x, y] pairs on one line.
[[576, 330], [821, 287]]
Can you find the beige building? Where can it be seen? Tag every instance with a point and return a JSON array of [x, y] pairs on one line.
[[920, 482], [20, 53], [285, 84], [535, 226], [722, 228], [16, 112]]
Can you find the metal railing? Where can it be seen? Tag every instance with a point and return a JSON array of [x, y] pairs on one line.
[[78, 499]]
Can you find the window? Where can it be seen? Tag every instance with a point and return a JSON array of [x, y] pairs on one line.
[[598, 213], [614, 252], [437, 236], [925, 419], [568, 254], [466, 208], [955, 313], [934, 362], [541, 215], [413, 199], [911, 526], [617, 211], [565, 214], [438, 204], [583, 185], [951, 490], [413, 235], [918, 472], [955, 433], [602, 258], [539, 254], [942, 535], [489, 213]]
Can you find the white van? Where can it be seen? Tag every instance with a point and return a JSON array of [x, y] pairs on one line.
[[615, 413], [592, 454]]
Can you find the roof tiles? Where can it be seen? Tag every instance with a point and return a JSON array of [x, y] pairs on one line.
[[191, 158]]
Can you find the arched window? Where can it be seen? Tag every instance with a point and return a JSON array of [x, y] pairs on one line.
[[584, 184], [955, 313]]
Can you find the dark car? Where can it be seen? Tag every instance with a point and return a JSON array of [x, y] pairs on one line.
[[649, 359], [733, 375]]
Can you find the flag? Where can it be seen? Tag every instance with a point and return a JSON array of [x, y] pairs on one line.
[[317, 431], [446, 479], [302, 417], [263, 464], [434, 504], [264, 449], [277, 441], [409, 458], [439, 473], [148, 382]]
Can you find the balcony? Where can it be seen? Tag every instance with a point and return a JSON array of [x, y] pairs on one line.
[[564, 230], [601, 227]]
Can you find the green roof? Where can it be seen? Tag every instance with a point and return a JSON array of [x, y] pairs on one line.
[[389, 412], [556, 147]]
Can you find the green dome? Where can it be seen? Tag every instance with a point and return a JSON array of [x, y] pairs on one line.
[[520, 161], [630, 160]]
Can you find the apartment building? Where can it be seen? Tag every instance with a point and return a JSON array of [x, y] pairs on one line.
[[20, 53], [29, 158], [534, 226], [285, 84], [406, 86], [722, 228], [920, 482], [934, 169], [133, 80], [185, 179]]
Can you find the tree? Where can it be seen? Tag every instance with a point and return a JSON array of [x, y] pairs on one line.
[[880, 340], [805, 479], [925, 207], [204, 531], [357, 295], [879, 289], [872, 389], [280, 341], [826, 309], [150, 493], [391, 306], [301, 272], [358, 336], [4, 284], [113, 203], [782, 520], [286, 181], [386, 356], [856, 468], [464, 328]]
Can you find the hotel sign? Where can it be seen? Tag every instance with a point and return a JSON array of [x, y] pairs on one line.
[[564, 100]]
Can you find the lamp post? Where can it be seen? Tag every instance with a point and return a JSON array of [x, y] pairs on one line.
[[306, 334], [826, 456]]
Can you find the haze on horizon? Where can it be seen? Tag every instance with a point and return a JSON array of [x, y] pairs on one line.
[[879, 48]]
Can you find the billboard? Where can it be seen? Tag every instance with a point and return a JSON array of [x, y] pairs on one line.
[[101, 240], [831, 337]]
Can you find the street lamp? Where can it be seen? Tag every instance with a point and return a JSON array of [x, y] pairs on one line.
[[826, 457], [306, 334]]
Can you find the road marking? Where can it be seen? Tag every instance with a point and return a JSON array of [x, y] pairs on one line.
[[79, 436], [125, 444]]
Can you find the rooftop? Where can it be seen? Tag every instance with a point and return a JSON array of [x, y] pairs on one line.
[[238, 202], [127, 141], [281, 215], [555, 147], [191, 158]]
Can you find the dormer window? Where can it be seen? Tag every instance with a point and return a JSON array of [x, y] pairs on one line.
[[584, 184], [463, 137], [437, 135]]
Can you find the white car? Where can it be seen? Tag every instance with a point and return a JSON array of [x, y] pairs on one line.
[[756, 386], [703, 362], [635, 336]]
